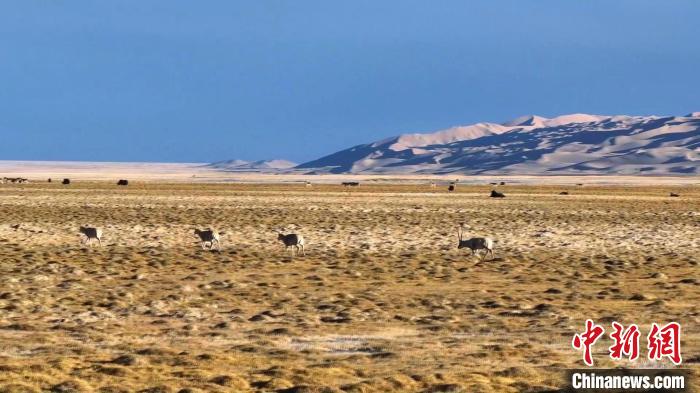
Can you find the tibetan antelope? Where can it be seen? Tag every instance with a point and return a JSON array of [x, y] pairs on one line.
[[475, 244], [90, 234], [208, 236], [292, 240]]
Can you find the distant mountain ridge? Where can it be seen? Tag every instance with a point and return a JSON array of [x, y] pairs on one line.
[[569, 144], [252, 166]]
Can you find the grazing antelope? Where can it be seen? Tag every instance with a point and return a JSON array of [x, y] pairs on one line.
[[91, 233], [433, 184], [292, 240], [475, 244], [308, 184], [208, 236]]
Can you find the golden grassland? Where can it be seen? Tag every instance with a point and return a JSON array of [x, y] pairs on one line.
[[383, 300]]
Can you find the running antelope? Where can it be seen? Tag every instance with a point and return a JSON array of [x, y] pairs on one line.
[[208, 236], [90, 234], [475, 244], [292, 240]]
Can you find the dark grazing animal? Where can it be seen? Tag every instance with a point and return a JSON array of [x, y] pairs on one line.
[[564, 193], [451, 187], [292, 240], [65, 181], [49, 180], [503, 183], [475, 244], [208, 236], [496, 194], [673, 194], [351, 183], [123, 182], [91, 233], [15, 179]]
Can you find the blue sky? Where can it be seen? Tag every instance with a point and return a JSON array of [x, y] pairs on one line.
[[187, 81]]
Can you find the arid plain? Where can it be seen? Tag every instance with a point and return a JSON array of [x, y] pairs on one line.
[[383, 300]]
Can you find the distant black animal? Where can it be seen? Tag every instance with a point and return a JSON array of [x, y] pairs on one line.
[[503, 183], [493, 184], [579, 184], [496, 194], [451, 187], [65, 181], [564, 193], [14, 179], [673, 194], [351, 183], [123, 182], [49, 180]]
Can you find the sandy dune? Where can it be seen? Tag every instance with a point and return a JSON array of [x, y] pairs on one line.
[[383, 301]]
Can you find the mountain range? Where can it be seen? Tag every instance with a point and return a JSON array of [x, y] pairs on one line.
[[252, 166], [569, 144]]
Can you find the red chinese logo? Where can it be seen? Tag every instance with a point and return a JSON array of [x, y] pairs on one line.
[[662, 342], [626, 342], [665, 342], [586, 340]]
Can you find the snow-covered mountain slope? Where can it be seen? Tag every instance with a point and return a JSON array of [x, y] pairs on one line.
[[253, 166], [569, 144]]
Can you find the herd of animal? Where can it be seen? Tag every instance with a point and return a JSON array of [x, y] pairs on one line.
[[14, 180], [452, 186], [66, 181], [208, 237]]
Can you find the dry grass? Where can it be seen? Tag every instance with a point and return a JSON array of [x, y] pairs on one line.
[[383, 301]]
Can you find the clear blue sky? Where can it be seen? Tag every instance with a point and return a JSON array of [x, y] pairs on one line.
[[200, 81]]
